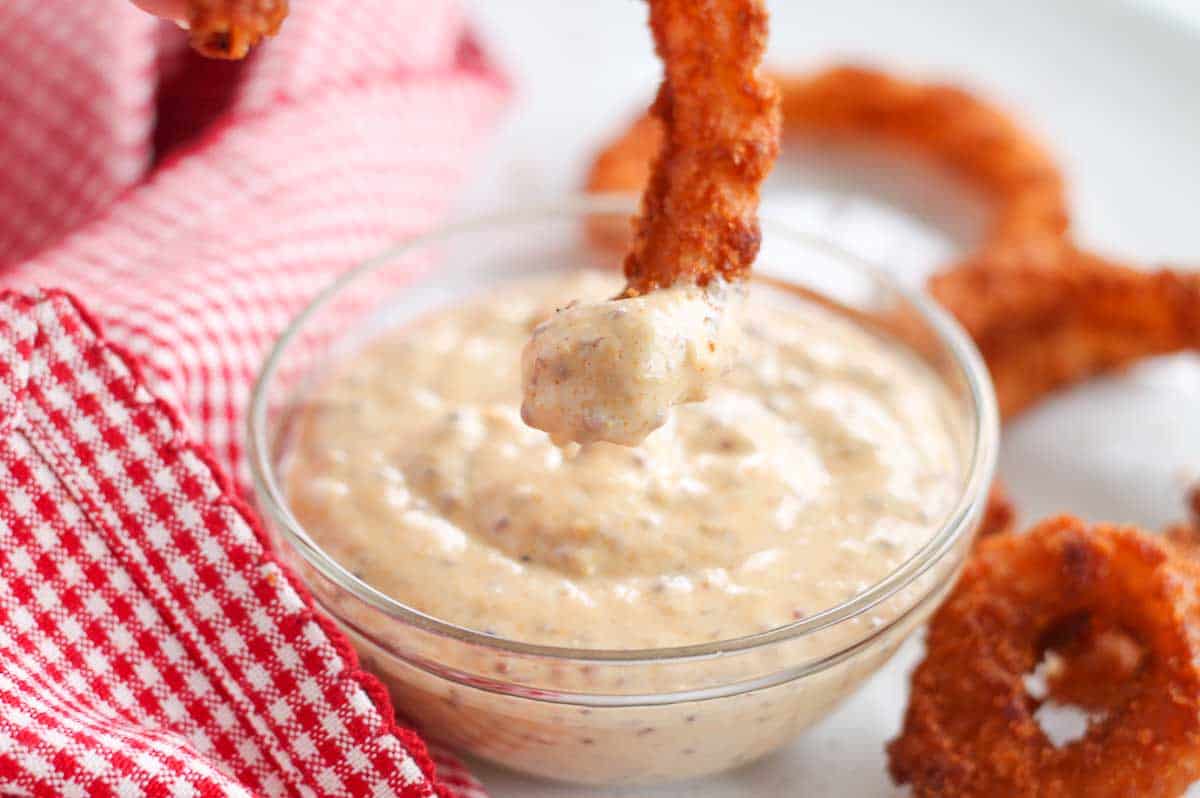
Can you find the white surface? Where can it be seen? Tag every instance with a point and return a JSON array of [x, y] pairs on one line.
[[1111, 85]]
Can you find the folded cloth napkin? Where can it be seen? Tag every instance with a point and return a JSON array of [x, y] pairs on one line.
[[150, 643]]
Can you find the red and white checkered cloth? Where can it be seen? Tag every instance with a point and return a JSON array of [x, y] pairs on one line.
[[150, 644]]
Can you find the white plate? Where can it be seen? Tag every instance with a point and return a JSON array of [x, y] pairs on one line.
[[1111, 86]]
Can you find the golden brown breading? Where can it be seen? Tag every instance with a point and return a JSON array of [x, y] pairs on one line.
[[229, 28], [1045, 317], [972, 139], [1044, 313], [1093, 665], [699, 215], [975, 141], [970, 730]]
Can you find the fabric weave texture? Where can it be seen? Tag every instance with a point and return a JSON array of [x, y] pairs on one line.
[[150, 642]]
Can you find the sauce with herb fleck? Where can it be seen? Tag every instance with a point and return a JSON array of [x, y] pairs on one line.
[[818, 463], [612, 371]]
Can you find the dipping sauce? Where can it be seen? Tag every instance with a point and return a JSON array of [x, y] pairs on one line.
[[822, 460], [612, 371]]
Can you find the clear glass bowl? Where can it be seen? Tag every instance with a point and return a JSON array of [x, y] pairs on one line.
[[613, 716]]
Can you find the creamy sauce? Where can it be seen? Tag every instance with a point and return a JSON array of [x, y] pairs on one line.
[[611, 371], [820, 461]]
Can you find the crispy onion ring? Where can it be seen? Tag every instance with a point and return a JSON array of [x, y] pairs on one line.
[[718, 118], [1047, 316], [1044, 312], [975, 141], [611, 371], [970, 728]]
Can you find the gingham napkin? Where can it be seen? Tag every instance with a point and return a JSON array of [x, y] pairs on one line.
[[150, 644]]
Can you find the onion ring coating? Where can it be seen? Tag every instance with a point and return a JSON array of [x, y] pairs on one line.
[[975, 141], [1048, 315], [229, 28], [1044, 312], [719, 119], [970, 729]]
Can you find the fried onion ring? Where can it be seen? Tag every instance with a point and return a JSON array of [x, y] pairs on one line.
[[1047, 316], [719, 122], [1091, 665], [611, 371], [1044, 312], [975, 141], [970, 729]]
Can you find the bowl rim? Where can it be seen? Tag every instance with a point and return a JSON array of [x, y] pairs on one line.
[[979, 471]]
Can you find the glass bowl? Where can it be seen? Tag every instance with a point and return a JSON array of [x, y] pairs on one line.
[[614, 716]]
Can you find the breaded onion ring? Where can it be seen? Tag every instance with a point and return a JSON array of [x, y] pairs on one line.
[[611, 371], [970, 729], [975, 141], [1044, 312], [1046, 316], [229, 28], [720, 116]]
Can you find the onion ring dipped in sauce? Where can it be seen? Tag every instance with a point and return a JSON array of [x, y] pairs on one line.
[[1119, 605], [1047, 317], [1044, 312], [975, 141], [611, 371]]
